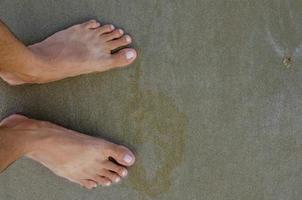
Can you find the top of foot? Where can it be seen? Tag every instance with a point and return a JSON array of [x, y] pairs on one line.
[[77, 157], [80, 49]]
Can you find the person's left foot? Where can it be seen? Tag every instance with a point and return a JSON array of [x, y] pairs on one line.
[[80, 49]]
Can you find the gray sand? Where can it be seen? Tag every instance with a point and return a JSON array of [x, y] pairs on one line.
[[210, 107]]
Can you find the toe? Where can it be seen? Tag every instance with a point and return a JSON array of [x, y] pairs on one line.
[[123, 57], [121, 154], [89, 184], [91, 24], [113, 35], [123, 41], [113, 177], [105, 29], [120, 170], [102, 180]]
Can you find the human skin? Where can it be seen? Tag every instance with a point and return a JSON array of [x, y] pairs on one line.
[[80, 49], [77, 157]]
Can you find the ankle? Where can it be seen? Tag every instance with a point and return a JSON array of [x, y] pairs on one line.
[[31, 69], [35, 68], [14, 145]]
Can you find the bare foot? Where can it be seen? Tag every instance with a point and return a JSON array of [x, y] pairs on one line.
[[79, 158], [80, 49]]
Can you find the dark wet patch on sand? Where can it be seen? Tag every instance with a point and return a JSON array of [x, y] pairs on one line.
[[157, 128]]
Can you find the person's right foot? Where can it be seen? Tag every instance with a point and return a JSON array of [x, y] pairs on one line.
[[79, 158], [80, 49]]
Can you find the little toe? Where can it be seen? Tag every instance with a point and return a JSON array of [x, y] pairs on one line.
[[91, 24], [113, 35], [123, 41], [105, 29], [121, 154], [120, 170], [123, 57], [89, 184], [101, 180]]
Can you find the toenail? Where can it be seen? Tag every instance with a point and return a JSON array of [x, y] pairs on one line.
[[129, 55], [108, 183], [128, 158], [111, 26], [121, 31], [118, 179], [128, 38], [124, 173]]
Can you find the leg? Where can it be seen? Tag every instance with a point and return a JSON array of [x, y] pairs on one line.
[[80, 49], [15, 58], [79, 158]]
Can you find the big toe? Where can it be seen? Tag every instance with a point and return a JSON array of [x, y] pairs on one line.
[[122, 155], [89, 184], [123, 57]]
